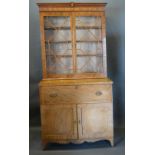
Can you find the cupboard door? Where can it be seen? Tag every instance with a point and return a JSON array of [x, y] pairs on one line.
[[95, 120], [59, 122]]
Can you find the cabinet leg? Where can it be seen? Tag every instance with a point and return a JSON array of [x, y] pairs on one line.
[[44, 144], [111, 142]]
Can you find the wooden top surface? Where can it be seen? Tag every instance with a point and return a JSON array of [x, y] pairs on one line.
[[72, 6], [47, 82]]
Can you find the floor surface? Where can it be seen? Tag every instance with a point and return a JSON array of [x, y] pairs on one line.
[[97, 148]]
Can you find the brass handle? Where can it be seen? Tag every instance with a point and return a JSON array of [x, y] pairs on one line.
[[75, 122], [98, 93], [76, 87], [53, 95]]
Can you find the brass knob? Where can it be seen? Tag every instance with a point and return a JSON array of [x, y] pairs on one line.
[[98, 93], [53, 95], [72, 4]]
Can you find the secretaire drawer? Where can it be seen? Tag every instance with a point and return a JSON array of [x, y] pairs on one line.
[[76, 94]]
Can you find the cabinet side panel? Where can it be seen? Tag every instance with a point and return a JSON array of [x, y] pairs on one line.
[[43, 53], [104, 49]]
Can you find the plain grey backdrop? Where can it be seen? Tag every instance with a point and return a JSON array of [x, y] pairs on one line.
[[115, 16]]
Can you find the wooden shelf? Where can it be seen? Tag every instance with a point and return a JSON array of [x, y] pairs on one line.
[[79, 41], [69, 55], [58, 42], [57, 28], [81, 55], [68, 41], [88, 27], [59, 55], [68, 27]]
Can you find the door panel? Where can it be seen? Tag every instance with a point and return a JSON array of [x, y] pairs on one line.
[[59, 121], [95, 120]]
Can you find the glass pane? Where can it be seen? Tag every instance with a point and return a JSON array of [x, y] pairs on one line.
[[89, 44], [58, 46]]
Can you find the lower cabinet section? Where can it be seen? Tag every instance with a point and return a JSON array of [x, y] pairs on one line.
[[76, 111], [77, 123]]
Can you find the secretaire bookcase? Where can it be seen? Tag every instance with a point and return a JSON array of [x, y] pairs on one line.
[[76, 98]]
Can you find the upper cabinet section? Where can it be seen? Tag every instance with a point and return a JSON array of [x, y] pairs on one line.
[[73, 40]]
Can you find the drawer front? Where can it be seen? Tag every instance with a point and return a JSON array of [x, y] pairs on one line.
[[76, 94]]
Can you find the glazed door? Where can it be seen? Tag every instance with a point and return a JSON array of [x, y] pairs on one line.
[[59, 121], [90, 43], [73, 44], [57, 48], [95, 120]]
